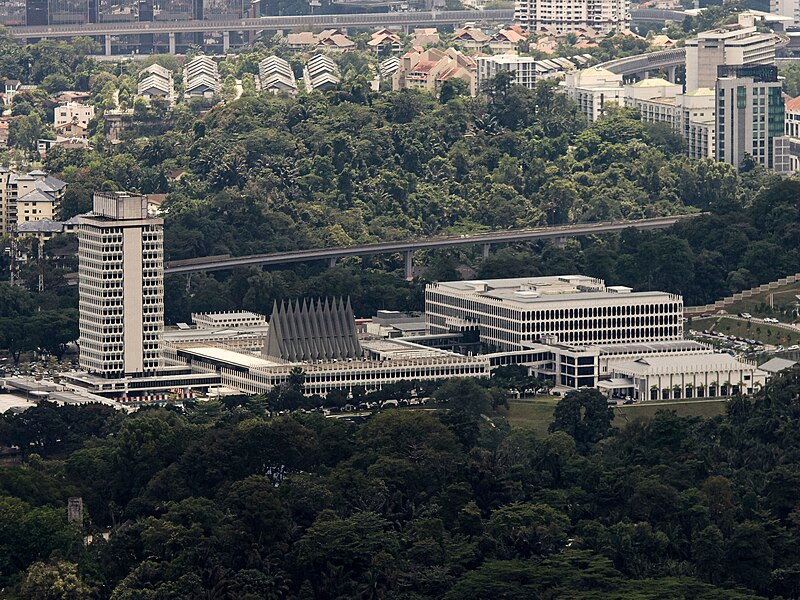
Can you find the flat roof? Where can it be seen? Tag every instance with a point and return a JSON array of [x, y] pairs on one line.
[[691, 363], [666, 346], [231, 357]]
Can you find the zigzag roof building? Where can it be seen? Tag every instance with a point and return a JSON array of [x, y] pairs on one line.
[[311, 331]]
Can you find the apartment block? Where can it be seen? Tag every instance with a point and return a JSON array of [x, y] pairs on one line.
[[26, 197], [320, 73], [593, 89], [201, 78], [73, 112], [569, 16]]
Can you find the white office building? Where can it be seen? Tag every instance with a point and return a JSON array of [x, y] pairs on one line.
[[565, 16], [509, 314], [594, 89], [750, 117], [739, 44], [120, 286]]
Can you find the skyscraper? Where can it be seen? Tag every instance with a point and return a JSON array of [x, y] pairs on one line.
[[121, 286]]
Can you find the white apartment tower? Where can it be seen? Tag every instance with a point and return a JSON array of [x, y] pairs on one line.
[[565, 16], [121, 286]]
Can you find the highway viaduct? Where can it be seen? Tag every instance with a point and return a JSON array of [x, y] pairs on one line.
[[408, 247], [226, 26], [297, 22]]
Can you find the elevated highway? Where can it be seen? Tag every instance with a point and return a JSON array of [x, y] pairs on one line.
[[408, 247], [306, 22]]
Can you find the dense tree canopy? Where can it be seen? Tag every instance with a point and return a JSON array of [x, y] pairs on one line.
[[221, 501]]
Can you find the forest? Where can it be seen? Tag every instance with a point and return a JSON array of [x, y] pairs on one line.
[[219, 500], [268, 174]]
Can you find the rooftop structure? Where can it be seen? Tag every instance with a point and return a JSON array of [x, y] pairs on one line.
[[331, 40], [321, 330], [237, 319], [527, 70]]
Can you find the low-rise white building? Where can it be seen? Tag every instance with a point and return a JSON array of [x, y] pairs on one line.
[[594, 89], [156, 82], [235, 319], [320, 73], [686, 376], [73, 112]]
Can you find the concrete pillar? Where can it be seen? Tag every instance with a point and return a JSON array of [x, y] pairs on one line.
[[108, 44], [172, 42], [486, 248], [332, 262], [226, 41], [560, 242], [671, 72], [280, 32], [409, 256]]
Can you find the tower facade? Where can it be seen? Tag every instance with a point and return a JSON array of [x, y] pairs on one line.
[[121, 286]]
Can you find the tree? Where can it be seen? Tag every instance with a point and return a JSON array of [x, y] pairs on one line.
[[55, 581], [585, 415], [25, 132], [526, 530]]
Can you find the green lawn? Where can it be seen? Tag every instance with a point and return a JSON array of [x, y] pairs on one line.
[[537, 413], [769, 334]]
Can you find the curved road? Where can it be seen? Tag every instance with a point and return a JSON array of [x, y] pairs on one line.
[[517, 235]]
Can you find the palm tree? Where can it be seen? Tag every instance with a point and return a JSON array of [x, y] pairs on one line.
[[653, 392], [700, 390], [712, 389], [665, 393], [689, 389], [676, 391]]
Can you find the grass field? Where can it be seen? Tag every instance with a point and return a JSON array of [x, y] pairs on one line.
[[769, 334], [537, 413]]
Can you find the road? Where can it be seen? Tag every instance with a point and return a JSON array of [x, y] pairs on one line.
[[486, 239], [307, 22]]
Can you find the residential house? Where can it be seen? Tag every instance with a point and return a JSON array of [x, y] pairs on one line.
[[332, 40], [275, 75], [321, 73], [471, 38], [661, 41], [385, 42], [156, 82], [201, 78], [508, 39], [429, 69], [10, 89]]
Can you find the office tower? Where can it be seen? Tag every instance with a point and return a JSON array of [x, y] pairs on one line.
[[565, 16], [510, 314], [750, 116], [120, 286], [740, 44]]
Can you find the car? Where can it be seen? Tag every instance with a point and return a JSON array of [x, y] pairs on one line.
[[628, 401], [745, 315]]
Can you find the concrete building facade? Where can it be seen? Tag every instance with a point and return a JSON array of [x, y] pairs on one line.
[[594, 89], [120, 287], [507, 314]]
